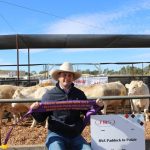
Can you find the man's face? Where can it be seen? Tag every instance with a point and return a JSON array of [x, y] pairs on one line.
[[65, 79]]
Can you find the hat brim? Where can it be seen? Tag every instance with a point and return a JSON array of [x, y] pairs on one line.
[[55, 74]]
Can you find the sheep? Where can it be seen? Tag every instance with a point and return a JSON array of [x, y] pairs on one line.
[[139, 88], [25, 93], [107, 89]]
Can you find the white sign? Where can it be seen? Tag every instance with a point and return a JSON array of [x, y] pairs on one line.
[[91, 80], [117, 132], [12, 74]]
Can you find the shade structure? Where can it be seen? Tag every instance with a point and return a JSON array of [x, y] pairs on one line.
[[23, 41]]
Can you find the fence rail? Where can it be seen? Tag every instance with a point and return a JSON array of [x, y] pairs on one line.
[[102, 98]]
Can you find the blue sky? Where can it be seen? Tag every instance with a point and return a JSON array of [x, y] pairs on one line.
[[75, 17]]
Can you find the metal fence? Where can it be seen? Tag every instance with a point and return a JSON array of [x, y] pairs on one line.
[[2, 101]]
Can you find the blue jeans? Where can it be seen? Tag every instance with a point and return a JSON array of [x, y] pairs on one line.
[[55, 141]]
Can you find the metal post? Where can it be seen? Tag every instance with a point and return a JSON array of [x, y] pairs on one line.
[[29, 66], [142, 70], [0, 134], [132, 71], [18, 78]]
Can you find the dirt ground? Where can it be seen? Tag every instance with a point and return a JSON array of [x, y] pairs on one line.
[[22, 134]]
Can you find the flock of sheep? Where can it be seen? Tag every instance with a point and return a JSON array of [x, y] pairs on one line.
[[97, 90]]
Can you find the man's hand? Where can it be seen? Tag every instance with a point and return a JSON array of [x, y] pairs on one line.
[[99, 102], [35, 105]]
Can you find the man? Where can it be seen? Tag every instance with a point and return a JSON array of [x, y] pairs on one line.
[[65, 126]]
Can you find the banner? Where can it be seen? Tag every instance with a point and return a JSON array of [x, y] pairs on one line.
[[91, 80]]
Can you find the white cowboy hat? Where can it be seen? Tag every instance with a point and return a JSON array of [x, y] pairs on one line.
[[65, 67]]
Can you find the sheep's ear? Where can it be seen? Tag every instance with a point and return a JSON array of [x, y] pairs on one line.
[[140, 83], [127, 85]]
